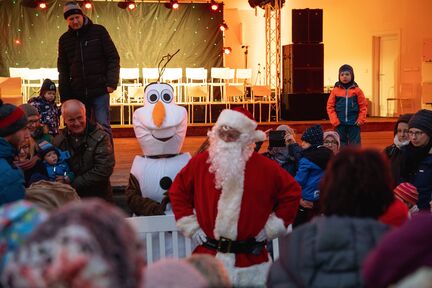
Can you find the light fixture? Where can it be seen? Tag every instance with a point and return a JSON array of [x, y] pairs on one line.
[[223, 27], [174, 4], [214, 6], [42, 4], [87, 5], [130, 5], [227, 50]]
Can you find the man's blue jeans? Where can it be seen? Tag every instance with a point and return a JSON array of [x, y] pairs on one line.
[[98, 109]]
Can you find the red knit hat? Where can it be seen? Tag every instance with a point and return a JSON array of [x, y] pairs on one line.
[[407, 193], [12, 119]]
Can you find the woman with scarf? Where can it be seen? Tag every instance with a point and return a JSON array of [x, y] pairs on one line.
[[416, 161], [401, 139]]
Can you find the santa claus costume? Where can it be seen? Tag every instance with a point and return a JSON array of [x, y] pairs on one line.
[[235, 198]]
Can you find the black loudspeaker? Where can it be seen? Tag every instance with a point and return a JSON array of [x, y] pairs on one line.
[[304, 106], [303, 68], [307, 25]]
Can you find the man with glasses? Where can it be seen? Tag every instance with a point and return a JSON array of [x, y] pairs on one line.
[[38, 131], [13, 133], [416, 165]]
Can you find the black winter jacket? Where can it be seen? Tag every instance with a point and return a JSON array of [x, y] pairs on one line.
[[88, 62]]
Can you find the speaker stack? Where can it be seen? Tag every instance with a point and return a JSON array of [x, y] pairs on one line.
[[303, 68]]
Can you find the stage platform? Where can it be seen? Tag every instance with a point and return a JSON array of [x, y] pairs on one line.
[[373, 124]]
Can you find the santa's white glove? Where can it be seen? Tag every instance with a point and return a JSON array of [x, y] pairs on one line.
[[199, 237], [261, 236]]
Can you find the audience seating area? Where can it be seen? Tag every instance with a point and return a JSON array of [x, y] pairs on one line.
[[194, 88]]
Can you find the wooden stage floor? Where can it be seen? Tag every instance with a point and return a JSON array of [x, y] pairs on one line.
[[127, 148]]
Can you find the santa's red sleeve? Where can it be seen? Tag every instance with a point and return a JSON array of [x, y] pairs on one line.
[[181, 194], [287, 202]]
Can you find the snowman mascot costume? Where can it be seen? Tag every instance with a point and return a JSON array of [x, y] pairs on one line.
[[160, 127]]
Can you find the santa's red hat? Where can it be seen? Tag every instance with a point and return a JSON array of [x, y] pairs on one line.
[[241, 120]]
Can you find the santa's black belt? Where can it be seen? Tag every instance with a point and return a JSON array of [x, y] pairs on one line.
[[226, 245]]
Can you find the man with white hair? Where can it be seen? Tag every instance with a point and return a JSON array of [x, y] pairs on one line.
[[90, 149], [231, 200]]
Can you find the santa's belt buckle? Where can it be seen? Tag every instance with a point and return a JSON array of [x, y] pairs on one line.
[[224, 245]]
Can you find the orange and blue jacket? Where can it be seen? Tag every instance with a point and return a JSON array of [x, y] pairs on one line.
[[346, 106]]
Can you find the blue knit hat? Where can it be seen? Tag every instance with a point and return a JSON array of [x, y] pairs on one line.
[[314, 135], [45, 147], [422, 120]]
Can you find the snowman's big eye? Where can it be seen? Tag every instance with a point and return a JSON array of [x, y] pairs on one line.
[[152, 96], [167, 96]]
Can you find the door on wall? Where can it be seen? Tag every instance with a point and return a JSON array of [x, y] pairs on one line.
[[385, 69]]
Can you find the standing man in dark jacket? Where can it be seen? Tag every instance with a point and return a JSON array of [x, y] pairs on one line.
[[91, 152], [88, 64]]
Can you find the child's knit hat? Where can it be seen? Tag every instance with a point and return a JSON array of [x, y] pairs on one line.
[[407, 193], [45, 147], [82, 242], [47, 85], [348, 68], [314, 135]]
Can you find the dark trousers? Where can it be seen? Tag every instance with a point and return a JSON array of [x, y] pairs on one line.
[[349, 134]]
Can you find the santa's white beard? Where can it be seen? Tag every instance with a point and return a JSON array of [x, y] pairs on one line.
[[228, 159]]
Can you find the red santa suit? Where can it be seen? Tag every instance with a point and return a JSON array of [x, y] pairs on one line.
[[266, 196]]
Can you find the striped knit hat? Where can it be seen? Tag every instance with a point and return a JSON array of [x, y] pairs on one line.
[[12, 119], [407, 193]]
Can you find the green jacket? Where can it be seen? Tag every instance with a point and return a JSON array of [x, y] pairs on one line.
[[91, 159]]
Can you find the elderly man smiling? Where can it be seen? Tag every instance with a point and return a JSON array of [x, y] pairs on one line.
[[91, 152]]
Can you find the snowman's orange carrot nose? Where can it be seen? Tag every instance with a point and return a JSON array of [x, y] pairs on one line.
[[158, 114]]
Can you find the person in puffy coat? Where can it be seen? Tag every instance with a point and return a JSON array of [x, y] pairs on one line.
[[311, 168], [329, 251], [88, 64], [347, 107]]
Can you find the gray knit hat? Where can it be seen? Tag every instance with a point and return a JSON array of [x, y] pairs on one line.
[[29, 110], [12, 119], [71, 8], [422, 120]]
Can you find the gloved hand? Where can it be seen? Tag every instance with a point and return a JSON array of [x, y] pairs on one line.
[[261, 236], [199, 237]]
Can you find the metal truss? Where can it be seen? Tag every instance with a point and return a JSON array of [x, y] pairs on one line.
[[273, 53]]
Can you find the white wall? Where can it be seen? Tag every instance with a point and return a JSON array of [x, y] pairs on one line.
[[348, 27]]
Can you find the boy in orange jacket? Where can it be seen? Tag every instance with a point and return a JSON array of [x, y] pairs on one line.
[[347, 107]]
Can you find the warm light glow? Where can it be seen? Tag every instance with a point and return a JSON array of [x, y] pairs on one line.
[[131, 6], [227, 50], [17, 41], [42, 5], [174, 4], [214, 6], [87, 5], [223, 27]]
